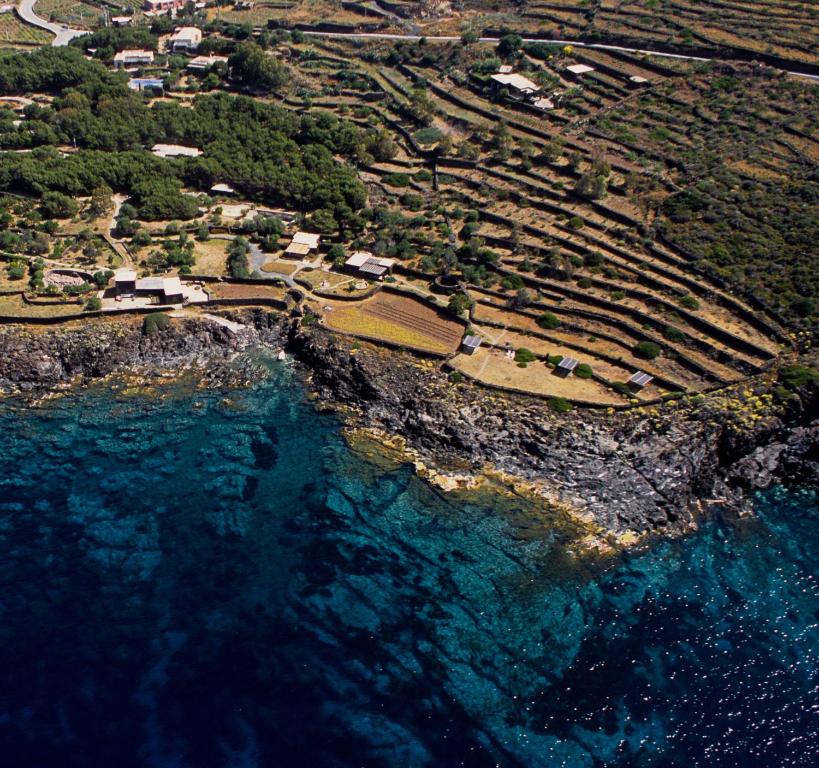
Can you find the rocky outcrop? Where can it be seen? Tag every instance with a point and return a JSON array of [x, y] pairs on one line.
[[34, 360], [628, 472]]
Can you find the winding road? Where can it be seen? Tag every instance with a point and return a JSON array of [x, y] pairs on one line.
[[62, 35]]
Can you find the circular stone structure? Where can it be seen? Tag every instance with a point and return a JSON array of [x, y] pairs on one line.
[[62, 278]]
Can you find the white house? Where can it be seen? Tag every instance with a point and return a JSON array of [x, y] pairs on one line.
[[302, 243], [185, 39], [175, 150], [133, 58], [517, 84], [204, 63], [363, 263]]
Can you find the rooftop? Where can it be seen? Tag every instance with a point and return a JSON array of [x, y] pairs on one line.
[[204, 62], [568, 364], [307, 238], [170, 286], [516, 81], [360, 258], [473, 342], [134, 53], [300, 249], [579, 69], [125, 275], [175, 150], [640, 379], [187, 33]]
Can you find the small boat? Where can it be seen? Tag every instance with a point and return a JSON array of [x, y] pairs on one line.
[[281, 356]]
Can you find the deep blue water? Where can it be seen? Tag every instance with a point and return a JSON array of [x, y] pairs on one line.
[[190, 580]]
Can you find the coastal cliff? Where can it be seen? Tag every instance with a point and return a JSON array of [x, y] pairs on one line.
[[638, 471], [644, 470]]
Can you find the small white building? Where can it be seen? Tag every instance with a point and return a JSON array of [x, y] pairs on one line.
[[133, 58], [364, 264], [639, 379], [185, 39], [222, 189], [579, 69], [517, 85], [204, 63], [122, 21], [302, 244], [543, 104], [175, 150], [470, 344]]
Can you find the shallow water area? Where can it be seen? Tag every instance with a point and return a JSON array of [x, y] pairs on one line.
[[201, 578]]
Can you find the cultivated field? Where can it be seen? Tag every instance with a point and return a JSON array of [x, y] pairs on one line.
[[396, 320], [14, 32]]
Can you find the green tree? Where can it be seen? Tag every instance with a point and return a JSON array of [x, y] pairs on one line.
[[459, 303], [509, 45], [647, 350]]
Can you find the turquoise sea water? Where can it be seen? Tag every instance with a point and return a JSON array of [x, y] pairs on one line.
[[191, 580]]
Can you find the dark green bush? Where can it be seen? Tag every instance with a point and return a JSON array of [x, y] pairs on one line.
[[154, 323], [560, 405], [524, 355], [647, 350], [548, 320], [583, 371], [673, 334]]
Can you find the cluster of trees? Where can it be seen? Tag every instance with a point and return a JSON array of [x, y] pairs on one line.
[[267, 153], [251, 66], [237, 261]]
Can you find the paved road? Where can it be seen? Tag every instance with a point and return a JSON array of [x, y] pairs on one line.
[[62, 35]]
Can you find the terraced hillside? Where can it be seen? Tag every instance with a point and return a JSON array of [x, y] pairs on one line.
[[632, 216], [497, 197]]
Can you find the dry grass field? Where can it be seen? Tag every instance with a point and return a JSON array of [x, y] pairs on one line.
[[14, 306], [211, 257], [491, 366], [236, 291]]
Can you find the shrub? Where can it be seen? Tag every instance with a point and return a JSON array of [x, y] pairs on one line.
[[622, 388], [548, 320], [583, 371], [94, 304], [795, 377], [397, 179], [153, 323], [673, 334], [560, 405], [689, 302], [647, 350], [16, 271], [575, 222], [427, 135], [524, 355]]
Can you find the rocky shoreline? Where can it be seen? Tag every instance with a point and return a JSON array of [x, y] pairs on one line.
[[629, 473]]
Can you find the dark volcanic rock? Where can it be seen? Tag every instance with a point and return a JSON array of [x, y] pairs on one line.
[[34, 360], [627, 471]]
